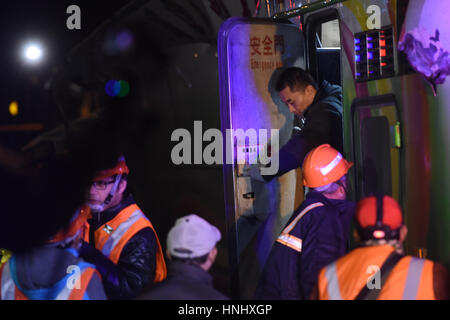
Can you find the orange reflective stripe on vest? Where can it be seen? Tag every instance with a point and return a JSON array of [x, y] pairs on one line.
[[20, 295], [289, 240], [86, 276], [112, 237], [74, 293], [410, 279], [300, 215]]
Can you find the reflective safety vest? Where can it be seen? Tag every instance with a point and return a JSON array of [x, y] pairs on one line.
[[289, 240], [62, 290], [410, 279], [112, 237]]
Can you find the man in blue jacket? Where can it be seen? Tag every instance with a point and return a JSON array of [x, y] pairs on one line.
[[319, 109], [317, 233]]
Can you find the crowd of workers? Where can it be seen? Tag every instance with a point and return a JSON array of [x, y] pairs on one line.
[[111, 250]]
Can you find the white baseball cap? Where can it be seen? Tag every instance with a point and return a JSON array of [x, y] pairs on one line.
[[192, 237]]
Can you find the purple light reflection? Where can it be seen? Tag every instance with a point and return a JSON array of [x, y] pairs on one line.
[[124, 40]]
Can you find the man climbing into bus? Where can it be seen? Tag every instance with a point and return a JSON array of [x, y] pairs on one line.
[[378, 268], [122, 242], [319, 109], [317, 232]]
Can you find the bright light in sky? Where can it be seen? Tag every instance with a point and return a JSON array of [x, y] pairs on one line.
[[33, 52]]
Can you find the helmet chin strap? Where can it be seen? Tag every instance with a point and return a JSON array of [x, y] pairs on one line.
[[101, 207]]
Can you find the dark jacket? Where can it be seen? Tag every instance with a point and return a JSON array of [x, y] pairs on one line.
[[324, 231], [42, 271], [136, 267], [184, 282], [322, 123]]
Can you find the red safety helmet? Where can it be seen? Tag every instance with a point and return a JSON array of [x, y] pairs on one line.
[[324, 165], [120, 168], [75, 227], [379, 217]]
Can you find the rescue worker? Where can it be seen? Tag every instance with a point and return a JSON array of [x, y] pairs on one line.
[[319, 109], [380, 233], [316, 234], [191, 249], [53, 271], [127, 250]]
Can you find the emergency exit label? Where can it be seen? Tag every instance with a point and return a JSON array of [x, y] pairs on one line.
[[264, 50], [267, 46]]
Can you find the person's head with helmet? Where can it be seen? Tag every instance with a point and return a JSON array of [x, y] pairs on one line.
[[325, 170], [108, 187], [379, 220]]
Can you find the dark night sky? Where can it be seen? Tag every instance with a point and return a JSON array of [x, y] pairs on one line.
[[44, 20]]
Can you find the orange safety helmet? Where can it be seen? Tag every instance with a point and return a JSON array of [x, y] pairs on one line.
[[120, 168], [324, 165], [378, 217], [75, 227]]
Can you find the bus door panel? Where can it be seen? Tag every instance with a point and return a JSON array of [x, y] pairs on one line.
[[251, 53], [377, 147]]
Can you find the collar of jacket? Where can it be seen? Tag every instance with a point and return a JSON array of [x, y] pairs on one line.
[[188, 271], [343, 206], [100, 218], [317, 97]]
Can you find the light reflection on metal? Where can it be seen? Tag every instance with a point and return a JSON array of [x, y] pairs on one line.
[[304, 9], [398, 137], [258, 4], [268, 7], [277, 6]]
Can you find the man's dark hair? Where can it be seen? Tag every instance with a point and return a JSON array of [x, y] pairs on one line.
[[296, 79]]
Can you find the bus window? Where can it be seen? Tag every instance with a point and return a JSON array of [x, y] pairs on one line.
[[376, 145], [325, 49], [375, 156], [328, 35]]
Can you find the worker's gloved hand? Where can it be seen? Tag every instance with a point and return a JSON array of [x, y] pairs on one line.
[[253, 171]]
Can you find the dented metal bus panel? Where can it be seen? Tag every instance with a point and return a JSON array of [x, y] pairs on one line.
[[396, 115]]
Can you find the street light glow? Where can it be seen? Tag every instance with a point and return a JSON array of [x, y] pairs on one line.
[[14, 108], [33, 53]]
